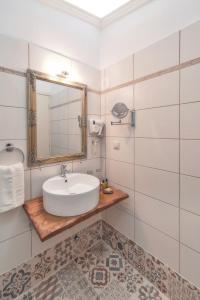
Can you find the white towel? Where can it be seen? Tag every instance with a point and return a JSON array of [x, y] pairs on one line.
[[11, 186]]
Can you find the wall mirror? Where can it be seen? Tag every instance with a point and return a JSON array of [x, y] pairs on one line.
[[56, 119]]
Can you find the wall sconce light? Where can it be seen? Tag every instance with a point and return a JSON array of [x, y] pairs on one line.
[[63, 74]]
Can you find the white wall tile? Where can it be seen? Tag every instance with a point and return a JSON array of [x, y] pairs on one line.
[[47, 61], [189, 160], [124, 95], [121, 221], [190, 44], [38, 246], [120, 173], [124, 153], [103, 104], [190, 265], [127, 204], [158, 244], [158, 122], [156, 92], [189, 192], [158, 214], [39, 175], [93, 148], [13, 90], [152, 182], [14, 53], [15, 251], [159, 56], [13, 223], [119, 73], [189, 84], [93, 166], [85, 74], [94, 103], [13, 120], [190, 121], [157, 153], [189, 229]]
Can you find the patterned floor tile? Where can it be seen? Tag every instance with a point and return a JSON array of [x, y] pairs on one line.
[[63, 253], [1, 287], [115, 240], [101, 251], [88, 238], [148, 292], [100, 265], [136, 257], [49, 289], [42, 266], [16, 282], [86, 261], [114, 291], [75, 284], [174, 285], [27, 296], [98, 273], [189, 291], [156, 273]]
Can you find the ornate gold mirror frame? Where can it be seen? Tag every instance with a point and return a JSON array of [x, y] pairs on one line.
[[33, 160]]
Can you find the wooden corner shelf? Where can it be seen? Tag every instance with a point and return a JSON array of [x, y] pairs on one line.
[[48, 225]]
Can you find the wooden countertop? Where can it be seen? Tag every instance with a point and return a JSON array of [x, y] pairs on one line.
[[48, 225]]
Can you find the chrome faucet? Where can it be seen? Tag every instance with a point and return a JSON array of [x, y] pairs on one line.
[[63, 169]]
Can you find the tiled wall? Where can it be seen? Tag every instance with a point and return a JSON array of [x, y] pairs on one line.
[[158, 162], [18, 241]]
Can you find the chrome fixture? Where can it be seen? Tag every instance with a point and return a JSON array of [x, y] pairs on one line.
[[120, 111], [63, 169], [10, 148]]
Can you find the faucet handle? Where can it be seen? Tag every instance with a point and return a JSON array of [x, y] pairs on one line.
[[63, 169]]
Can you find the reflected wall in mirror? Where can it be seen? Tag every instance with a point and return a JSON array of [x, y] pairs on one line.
[[57, 110]]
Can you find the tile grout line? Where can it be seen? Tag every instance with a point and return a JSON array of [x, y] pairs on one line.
[[134, 140], [179, 216], [156, 74], [30, 224]]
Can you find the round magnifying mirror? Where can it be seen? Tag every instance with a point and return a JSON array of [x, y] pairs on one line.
[[120, 110]]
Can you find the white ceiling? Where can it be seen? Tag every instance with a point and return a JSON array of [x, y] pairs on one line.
[[98, 13], [98, 8]]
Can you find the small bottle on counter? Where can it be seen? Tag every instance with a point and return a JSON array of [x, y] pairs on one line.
[[102, 184], [106, 184]]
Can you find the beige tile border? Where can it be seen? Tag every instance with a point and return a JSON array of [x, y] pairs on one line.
[[178, 67], [11, 71], [154, 75]]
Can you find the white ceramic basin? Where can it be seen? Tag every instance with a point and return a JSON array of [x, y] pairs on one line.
[[77, 195]]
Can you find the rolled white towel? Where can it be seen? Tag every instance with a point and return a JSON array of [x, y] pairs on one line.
[[11, 186]]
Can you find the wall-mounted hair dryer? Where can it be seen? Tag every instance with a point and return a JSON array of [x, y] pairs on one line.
[[96, 127]]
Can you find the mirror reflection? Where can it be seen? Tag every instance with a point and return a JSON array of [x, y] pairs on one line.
[[58, 108]]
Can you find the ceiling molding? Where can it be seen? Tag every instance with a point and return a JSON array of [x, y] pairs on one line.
[[91, 19], [122, 11], [74, 11]]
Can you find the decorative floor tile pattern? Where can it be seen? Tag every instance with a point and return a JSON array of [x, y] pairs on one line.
[[16, 282], [42, 266], [100, 273]]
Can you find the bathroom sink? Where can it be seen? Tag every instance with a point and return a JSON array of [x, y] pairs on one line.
[[72, 195]]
